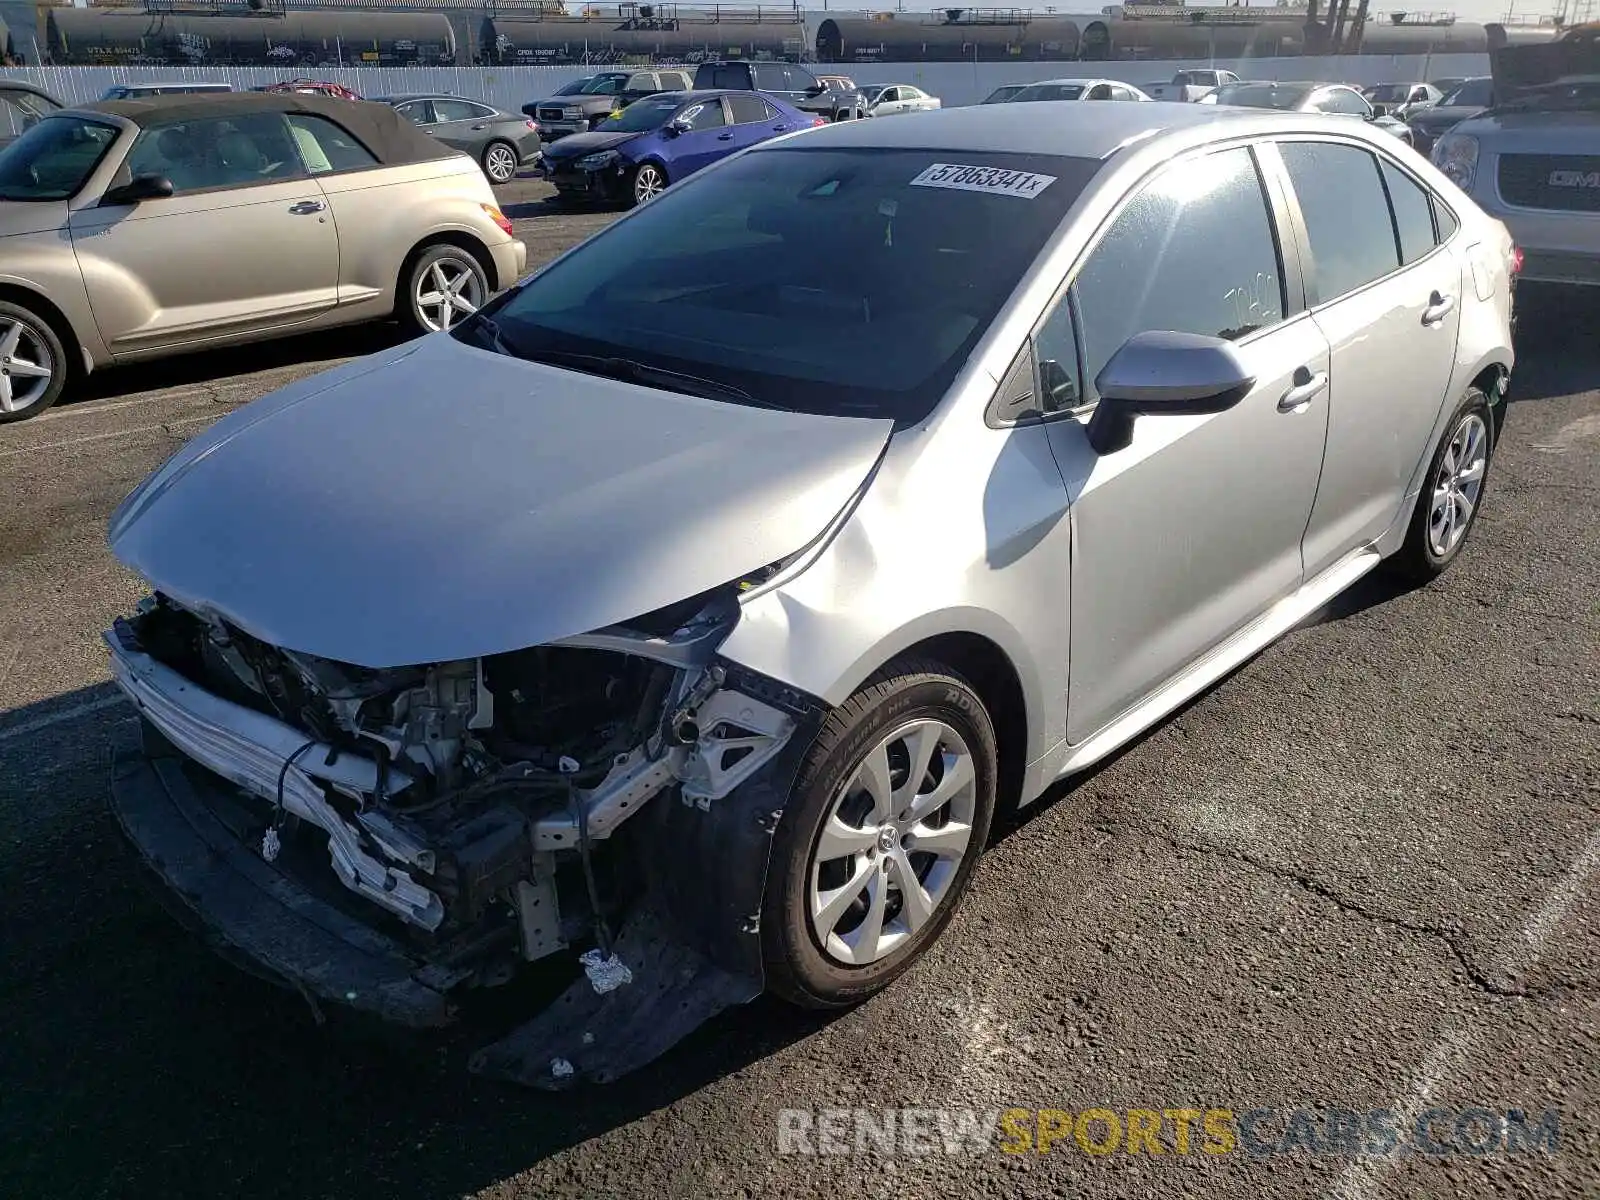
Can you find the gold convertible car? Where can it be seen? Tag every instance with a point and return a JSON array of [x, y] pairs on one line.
[[131, 230]]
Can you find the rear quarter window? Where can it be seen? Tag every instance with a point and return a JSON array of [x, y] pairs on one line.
[[1346, 213]]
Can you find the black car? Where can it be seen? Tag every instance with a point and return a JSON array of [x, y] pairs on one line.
[[580, 106], [789, 82], [1468, 99], [22, 106]]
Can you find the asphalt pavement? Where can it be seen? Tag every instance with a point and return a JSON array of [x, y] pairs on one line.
[[1358, 874]]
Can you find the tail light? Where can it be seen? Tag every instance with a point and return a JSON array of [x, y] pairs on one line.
[[1516, 260], [817, 121], [533, 125], [499, 218]]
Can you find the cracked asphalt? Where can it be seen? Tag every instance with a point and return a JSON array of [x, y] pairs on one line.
[[1359, 873]]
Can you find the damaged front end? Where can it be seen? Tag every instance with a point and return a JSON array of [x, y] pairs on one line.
[[392, 838]]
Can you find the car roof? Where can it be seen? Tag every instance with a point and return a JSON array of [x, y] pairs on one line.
[[1079, 81], [1072, 130], [18, 85], [387, 134]]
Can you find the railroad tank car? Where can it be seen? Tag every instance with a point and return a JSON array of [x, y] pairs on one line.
[[1141, 41], [908, 39], [513, 40], [351, 38]]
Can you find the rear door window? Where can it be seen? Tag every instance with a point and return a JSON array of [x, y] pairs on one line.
[[748, 108], [1346, 213], [1413, 212], [1194, 251]]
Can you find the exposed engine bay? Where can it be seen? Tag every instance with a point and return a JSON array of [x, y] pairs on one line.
[[470, 805]]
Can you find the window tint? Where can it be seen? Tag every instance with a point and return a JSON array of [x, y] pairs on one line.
[[724, 77], [1343, 100], [800, 79], [1192, 252], [1056, 348], [15, 120], [1346, 214], [1100, 91], [764, 77], [54, 159], [455, 110], [216, 152], [705, 115], [1413, 213], [876, 327], [748, 108], [1446, 221], [1474, 93], [415, 111], [325, 146]]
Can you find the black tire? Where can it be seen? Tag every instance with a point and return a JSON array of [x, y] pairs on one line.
[[489, 154], [412, 318], [1417, 559], [797, 967], [38, 345], [645, 170]]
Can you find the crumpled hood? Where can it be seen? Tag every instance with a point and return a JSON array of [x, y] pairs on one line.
[[436, 501], [576, 145]]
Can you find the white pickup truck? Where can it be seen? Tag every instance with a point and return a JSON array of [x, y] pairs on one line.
[[1189, 86]]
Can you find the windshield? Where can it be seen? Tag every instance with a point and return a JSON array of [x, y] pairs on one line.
[[720, 277], [1474, 93], [52, 160], [575, 88], [1261, 95], [1002, 94], [604, 85], [636, 118], [1048, 91]]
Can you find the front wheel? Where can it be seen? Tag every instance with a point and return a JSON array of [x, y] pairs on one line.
[[1452, 492], [33, 364], [649, 181], [880, 838]]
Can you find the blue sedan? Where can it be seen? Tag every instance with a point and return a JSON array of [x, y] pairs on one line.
[[661, 139]]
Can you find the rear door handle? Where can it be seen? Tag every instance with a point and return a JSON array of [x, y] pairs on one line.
[[724, 137], [307, 206], [1438, 308], [779, 128], [480, 125], [1306, 386]]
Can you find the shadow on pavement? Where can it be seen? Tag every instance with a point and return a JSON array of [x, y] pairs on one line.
[[137, 1064], [1557, 350]]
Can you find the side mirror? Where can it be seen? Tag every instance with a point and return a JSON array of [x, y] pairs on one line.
[[1164, 373], [140, 187], [816, 89]]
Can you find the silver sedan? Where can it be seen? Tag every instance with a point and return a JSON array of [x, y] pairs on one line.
[[699, 604]]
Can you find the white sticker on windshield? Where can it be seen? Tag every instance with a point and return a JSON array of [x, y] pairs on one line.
[[996, 180]]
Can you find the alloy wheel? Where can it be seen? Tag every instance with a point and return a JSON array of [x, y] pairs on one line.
[[1457, 485], [499, 164], [648, 183], [27, 366], [447, 291], [892, 842]]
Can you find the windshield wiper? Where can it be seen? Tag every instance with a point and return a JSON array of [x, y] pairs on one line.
[[629, 371]]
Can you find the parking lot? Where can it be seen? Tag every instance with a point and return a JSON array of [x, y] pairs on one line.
[[1359, 873]]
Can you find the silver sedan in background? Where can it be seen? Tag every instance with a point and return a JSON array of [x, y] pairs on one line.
[[704, 598]]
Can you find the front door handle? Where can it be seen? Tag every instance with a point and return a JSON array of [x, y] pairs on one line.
[[779, 128], [307, 206], [1438, 308], [724, 137], [480, 125], [1306, 386]]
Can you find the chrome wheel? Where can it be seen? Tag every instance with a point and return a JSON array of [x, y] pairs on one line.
[[648, 181], [499, 163], [1457, 485], [448, 290], [27, 365], [892, 842]]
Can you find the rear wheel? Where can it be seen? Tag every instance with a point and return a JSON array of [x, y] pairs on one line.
[[33, 364], [880, 838], [1452, 492], [500, 162], [444, 285], [649, 181]]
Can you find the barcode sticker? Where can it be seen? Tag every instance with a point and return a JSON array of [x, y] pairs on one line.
[[996, 180]]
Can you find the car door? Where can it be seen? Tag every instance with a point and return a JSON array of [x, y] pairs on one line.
[[461, 124], [707, 138], [1387, 298], [753, 119], [1194, 529], [243, 244]]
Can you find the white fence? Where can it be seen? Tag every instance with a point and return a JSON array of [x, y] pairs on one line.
[[954, 83]]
